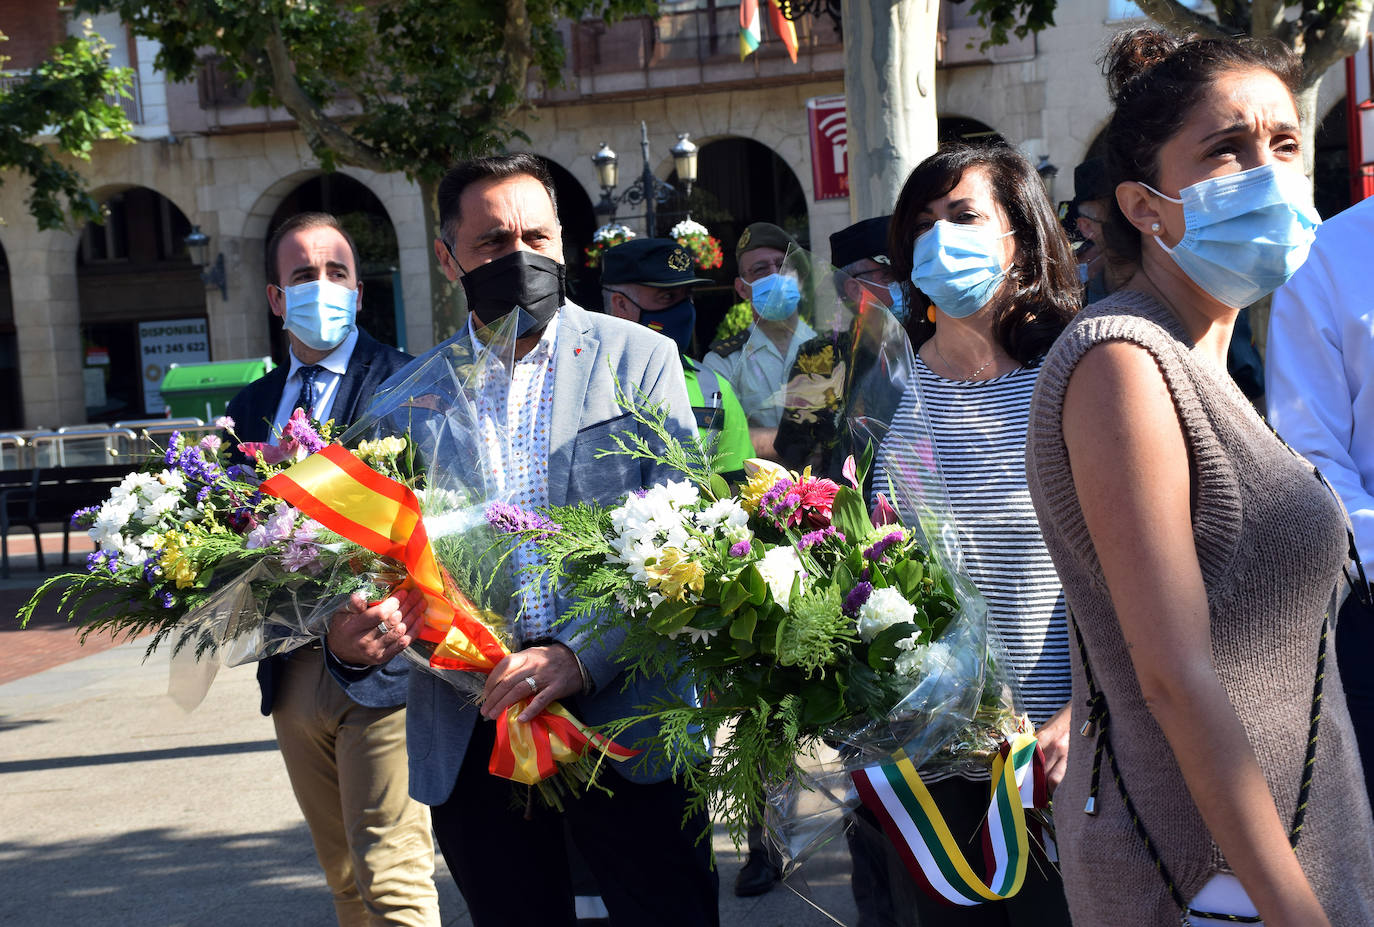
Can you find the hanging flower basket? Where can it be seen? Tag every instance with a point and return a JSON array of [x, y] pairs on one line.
[[693, 236], [605, 238]]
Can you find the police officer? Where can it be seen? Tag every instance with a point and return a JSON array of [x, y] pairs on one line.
[[649, 281]]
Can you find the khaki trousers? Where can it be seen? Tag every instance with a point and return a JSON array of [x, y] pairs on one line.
[[347, 765]]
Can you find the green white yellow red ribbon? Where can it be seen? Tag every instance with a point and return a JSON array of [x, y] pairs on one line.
[[896, 795], [351, 499]]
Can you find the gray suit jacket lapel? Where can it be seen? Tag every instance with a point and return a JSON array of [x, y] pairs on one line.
[[575, 352]]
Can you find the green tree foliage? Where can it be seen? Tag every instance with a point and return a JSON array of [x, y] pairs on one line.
[[385, 85], [71, 97], [1322, 32]]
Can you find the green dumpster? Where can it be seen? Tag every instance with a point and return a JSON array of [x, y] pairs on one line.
[[204, 390]]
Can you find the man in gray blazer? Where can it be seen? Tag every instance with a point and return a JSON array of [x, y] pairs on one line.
[[500, 239]]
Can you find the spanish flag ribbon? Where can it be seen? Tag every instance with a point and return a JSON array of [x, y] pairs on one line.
[[351, 499], [894, 792]]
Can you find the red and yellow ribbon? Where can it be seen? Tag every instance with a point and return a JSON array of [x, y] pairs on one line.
[[351, 499]]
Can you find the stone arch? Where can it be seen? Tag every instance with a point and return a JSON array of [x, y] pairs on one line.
[[578, 218], [400, 203], [365, 216], [740, 180]]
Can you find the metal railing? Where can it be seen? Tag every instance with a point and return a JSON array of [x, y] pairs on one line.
[[85, 445]]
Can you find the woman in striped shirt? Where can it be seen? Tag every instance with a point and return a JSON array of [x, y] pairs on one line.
[[976, 235]]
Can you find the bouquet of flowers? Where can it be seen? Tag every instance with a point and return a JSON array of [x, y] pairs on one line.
[[704, 248], [605, 238], [801, 617], [248, 562], [174, 535]]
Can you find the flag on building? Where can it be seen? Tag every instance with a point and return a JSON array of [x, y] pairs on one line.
[[782, 26], [749, 35]]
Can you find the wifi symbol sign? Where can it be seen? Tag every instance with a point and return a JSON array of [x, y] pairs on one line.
[[829, 131], [834, 128]]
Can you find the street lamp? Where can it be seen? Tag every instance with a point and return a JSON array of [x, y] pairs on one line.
[[685, 161], [198, 244], [648, 189], [1047, 172]]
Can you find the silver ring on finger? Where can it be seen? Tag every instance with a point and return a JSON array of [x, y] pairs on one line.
[[382, 628], [534, 686]]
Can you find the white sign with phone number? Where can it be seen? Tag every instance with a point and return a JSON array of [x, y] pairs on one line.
[[161, 344]]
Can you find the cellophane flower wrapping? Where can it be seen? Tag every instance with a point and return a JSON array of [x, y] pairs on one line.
[[430, 415], [824, 634]]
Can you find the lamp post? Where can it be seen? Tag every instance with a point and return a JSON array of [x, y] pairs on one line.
[[648, 189], [1047, 172], [198, 244]]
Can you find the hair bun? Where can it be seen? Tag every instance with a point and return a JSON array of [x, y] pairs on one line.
[[1132, 54]]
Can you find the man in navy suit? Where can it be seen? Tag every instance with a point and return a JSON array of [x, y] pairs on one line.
[[500, 239], [344, 745]]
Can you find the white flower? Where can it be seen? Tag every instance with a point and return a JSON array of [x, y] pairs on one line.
[[917, 661], [679, 493], [884, 608], [687, 227], [113, 516], [696, 635], [613, 232], [723, 513], [779, 566]]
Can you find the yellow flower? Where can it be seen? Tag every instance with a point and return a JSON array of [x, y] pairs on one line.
[[381, 449], [820, 363], [175, 564], [673, 575], [762, 475]]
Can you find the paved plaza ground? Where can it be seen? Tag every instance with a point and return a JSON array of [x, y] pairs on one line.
[[120, 808]]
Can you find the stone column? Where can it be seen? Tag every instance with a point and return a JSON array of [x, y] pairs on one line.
[[889, 79], [47, 319]]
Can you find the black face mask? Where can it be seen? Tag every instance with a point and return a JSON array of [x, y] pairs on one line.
[[523, 279]]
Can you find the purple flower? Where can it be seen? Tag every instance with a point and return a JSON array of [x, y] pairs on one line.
[[856, 598], [152, 569], [300, 429], [299, 556], [512, 519], [173, 449], [740, 549], [879, 548], [94, 560], [812, 538], [168, 600], [84, 518], [277, 528]]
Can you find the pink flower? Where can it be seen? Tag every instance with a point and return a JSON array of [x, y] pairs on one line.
[[271, 453], [851, 472], [225, 422], [884, 513], [210, 443], [817, 496]]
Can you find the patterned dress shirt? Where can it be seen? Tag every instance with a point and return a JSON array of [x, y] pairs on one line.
[[515, 408]]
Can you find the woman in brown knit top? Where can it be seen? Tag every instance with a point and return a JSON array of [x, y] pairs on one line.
[[1198, 554]]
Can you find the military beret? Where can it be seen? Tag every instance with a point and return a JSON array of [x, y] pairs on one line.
[[866, 240], [659, 262], [764, 235]]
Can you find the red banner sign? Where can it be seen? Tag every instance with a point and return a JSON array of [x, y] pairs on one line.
[[829, 149]]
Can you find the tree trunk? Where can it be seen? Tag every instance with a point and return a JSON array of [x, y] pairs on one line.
[[889, 81], [448, 307]]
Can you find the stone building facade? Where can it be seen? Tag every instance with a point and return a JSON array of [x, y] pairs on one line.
[[227, 168]]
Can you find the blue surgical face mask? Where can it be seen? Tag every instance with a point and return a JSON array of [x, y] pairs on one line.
[[958, 266], [775, 297], [899, 307], [1244, 234], [320, 313]]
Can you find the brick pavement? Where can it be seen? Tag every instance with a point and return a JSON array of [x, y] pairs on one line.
[[48, 641]]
